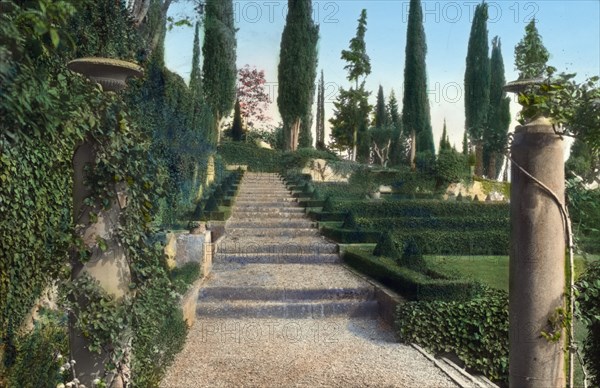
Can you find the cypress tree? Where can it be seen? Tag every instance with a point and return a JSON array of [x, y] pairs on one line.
[[321, 113], [477, 83], [465, 145], [415, 104], [499, 113], [297, 72], [530, 54], [202, 119], [393, 113], [445, 140], [237, 128], [381, 113], [219, 50]]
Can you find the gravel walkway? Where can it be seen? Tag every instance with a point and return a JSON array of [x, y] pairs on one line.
[[335, 352]]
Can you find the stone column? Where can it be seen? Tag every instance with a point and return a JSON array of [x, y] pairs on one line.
[[537, 258]]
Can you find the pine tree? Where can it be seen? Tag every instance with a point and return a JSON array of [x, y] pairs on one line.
[[321, 113], [477, 83], [530, 54], [297, 72], [350, 123], [219, 52], [381, 112], [415, 104], [237, 128], [499, 118]]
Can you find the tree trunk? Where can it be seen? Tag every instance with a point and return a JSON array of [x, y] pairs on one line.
[[479, 158], [491, 173], [413, 150], [292, 144]]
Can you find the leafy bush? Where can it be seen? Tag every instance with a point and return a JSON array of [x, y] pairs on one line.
[[475, 330], [588, 310], [440, 242], [350, 236], [470, 223], [411, 284], [349, 221], [183, 277], [425, 162], [256, 158], [450, 167]]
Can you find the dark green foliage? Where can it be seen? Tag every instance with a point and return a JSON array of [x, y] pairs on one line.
[[465, 145], [496, 133], [358, 62], [411, 284], [297, 71], [382, 117], [351, 236], [399, 148], [237, 128], [328, 205], [36, 363], [477, 75], [451, 167], [256, 158], [415, 104], [457, 242], [219, 51], [584, 209], [475, 330], [425, 162], [530, 54], [465, 224], [412, 257], [583, 161], [386, 246], [588, 310], [444, 140]]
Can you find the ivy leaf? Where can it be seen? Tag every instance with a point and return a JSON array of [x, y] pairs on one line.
[[54, 37]]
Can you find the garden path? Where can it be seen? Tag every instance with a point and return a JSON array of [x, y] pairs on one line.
[[280, 310]]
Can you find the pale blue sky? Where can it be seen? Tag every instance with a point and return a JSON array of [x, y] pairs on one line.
[[570, 30]]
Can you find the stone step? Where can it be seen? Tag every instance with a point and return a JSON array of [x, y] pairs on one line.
[[285, 207], [259, 200], [255, 245], [210, 294], [305, 310], [272, 232], [260, 223], [278, 258], [249, 216], [267, 193]]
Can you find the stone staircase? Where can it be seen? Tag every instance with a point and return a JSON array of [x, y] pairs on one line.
[[272, 263]]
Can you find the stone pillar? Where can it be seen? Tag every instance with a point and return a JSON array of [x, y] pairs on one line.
[[537, 258]]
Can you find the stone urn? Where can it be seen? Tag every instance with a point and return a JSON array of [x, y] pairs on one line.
[[111, 73]]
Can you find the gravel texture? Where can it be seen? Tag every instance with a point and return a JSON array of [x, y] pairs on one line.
[[336, 352]]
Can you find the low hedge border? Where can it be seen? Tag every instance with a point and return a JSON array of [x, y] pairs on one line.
[[437, 223], [326, 216], [350, 236], [410, 284]]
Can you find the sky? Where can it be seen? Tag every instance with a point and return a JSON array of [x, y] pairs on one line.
[[570, 31]]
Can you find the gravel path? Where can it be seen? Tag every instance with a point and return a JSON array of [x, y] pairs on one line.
[[335, 352]]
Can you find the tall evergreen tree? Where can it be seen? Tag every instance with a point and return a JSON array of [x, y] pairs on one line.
[[465, 144], [398, 149], [320, 130], [496, 134], [381, 112], [352, 107], [202, 119], [477, 83], [219, 52], [530, 54], [237, 128], [416, 118], [297, 72], [444, 140]]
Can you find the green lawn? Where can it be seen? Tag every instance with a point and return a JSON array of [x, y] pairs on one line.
[[490, 270]]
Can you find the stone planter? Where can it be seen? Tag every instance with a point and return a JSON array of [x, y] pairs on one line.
[[112, 74]]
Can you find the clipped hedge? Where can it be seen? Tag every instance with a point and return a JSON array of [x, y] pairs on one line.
[[475, 330], [437, 223], [436, 242], [423, 208], [411, 284], [256, 158], [350, 236]]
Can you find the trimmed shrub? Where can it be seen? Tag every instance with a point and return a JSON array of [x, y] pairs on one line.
[[350, 221], [411, 284], [470, 223], [386, 246], [440, 242], [350, 236], [212, 204], [475, 330], [328, 204], [412, 257]]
